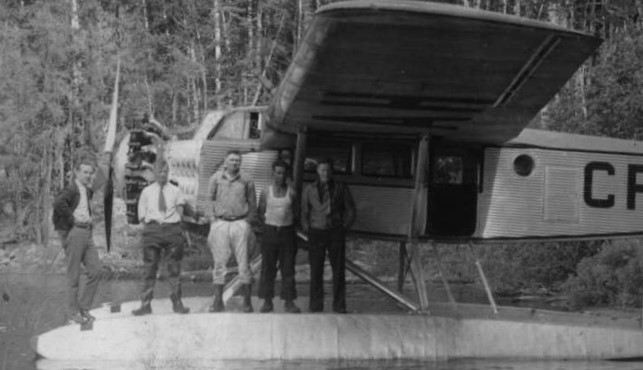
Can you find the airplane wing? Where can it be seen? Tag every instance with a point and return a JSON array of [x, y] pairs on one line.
[[409, 66]]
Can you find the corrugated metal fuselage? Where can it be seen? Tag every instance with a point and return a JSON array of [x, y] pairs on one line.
[[541, 185], [569, 193]]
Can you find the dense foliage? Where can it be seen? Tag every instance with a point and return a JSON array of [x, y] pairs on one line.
[[613, 276], [181, 58]]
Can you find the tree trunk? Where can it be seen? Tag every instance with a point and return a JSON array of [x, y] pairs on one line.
[[580, 83], [43, 220], [194, 87], [150, 102], [224, 28], [175, 107], [216, 13], [298, 25], [85, 125], [310, 7], [639, 11], [251, 49], [258, 36], [203, 63]]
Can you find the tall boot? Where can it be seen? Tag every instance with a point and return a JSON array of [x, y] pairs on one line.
[[177, 305], [246, 290], [217, 303], [145, 309], [291, 307]]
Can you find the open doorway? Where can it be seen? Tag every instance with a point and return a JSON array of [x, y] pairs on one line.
[[454, 176]]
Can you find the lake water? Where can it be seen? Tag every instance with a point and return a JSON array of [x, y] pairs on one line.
[[32, 304]]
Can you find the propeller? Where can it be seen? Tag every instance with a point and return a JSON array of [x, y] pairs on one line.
[[110, 140]]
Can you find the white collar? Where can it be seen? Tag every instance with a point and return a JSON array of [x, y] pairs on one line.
[[80, 185]]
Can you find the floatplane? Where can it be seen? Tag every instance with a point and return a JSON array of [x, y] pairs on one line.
[[423, 106]]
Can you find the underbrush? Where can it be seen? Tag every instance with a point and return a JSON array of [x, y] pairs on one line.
[[613, 276]]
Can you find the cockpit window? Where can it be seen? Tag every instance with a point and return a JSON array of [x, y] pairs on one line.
[[238, 125], [383, 160]]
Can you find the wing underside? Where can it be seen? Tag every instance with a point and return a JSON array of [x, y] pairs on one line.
[[409, 66]]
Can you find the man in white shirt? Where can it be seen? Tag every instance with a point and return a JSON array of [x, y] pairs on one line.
[[160, 208], [278, 246]]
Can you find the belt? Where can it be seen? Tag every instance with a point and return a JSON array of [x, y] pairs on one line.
[[161, 223], [84, 225], [279, 228], [230, 219]]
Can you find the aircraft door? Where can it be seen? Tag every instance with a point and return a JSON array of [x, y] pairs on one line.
[[454, 175]]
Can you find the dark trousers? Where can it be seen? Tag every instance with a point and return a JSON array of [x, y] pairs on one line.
[[333, 242], [278, 247], [80, 250], [162, 242]]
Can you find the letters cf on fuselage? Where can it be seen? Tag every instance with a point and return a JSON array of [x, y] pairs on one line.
[[608, 200]]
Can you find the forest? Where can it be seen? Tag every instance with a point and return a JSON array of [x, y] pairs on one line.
[[182, 58]]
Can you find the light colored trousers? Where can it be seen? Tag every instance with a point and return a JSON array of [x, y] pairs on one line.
[[225, 238]]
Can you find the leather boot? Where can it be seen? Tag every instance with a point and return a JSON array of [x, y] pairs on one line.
[[87, 315], [246, 290], [145, 309], [267, 306], [291, 307], [217, 303], [177, 305]]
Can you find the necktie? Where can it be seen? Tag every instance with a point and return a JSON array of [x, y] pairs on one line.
[[162, 206]]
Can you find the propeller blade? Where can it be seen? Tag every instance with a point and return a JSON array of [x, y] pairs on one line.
[[108, 202], [110, 140]]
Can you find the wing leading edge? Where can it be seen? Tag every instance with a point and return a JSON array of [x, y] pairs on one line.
[[409, 66]]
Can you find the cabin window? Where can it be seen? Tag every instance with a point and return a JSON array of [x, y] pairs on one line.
[[383, 160], [523, 165], [255, 129], [232, 127], [339, 152], [238, 125], [448, 169]]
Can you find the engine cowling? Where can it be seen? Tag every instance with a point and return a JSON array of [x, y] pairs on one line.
[[192, 162]]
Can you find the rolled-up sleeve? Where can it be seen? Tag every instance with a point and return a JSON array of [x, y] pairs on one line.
[[212, 195], [212, 187], [142, 205]]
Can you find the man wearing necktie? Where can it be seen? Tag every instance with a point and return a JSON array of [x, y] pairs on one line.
[[160, 208], [72, 219], [327, 211]]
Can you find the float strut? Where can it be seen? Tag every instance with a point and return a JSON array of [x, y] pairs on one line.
[[487, 288]]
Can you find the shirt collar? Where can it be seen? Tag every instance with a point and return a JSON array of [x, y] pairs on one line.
[[80, 185], [227, 176], [328, 184]]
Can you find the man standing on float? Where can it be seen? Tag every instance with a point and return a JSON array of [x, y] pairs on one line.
[[235, 208], [278, 244], [160, 208], [327, 211]]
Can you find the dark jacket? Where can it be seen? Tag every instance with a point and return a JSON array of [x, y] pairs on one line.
[[65, 205], [313, 211]]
